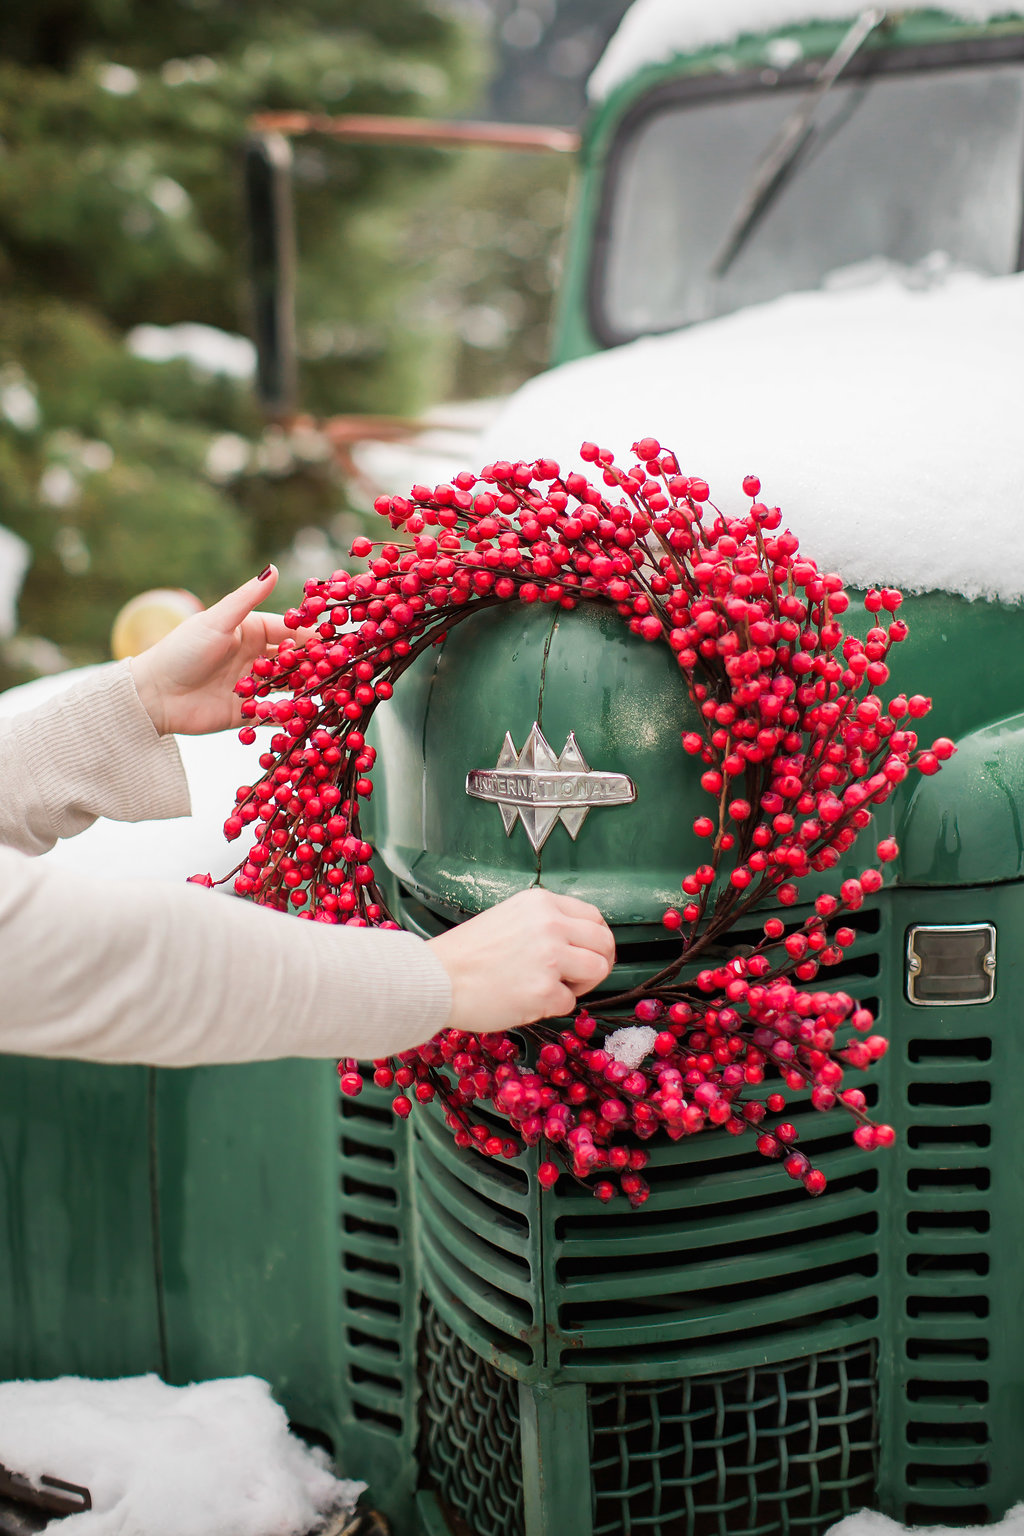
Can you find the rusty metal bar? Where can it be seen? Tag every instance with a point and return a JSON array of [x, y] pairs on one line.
[[372, 129]]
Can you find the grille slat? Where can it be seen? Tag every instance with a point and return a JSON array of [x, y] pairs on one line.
[[718, 1274], [472, 1211], [797, 1306], [489, 1263], [775, 1215], [500, 1308], [948, 1183], [374, 1279]]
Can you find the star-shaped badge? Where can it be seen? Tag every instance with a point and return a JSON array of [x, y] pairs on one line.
[[539, 789]]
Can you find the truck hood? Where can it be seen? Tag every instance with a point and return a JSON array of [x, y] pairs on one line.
[[886, 420]]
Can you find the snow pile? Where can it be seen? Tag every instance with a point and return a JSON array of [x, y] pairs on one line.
[[155, 850], [213, 1459], [868, 1523], [885, 421], [654, 31], [631, 1045], [208, 349]]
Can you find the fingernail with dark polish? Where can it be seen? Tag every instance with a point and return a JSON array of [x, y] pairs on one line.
[[264, 574]]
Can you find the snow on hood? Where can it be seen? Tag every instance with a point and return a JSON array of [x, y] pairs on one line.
[[885, 422], [654, 31]]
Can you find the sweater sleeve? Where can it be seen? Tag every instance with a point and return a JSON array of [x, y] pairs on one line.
[[179, 976], [92, 751]]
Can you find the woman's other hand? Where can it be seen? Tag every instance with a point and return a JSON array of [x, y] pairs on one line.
[[186, 681]]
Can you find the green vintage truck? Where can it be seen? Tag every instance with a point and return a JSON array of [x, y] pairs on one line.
[[793, 252]]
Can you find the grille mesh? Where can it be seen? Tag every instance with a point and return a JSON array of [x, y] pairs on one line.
[[470, 1447], [744, 1453]]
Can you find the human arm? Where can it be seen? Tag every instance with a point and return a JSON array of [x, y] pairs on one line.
[[175, 976], [104, 747], [139, 971], [92, 751]]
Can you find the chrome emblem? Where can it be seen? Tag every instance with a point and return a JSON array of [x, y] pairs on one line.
[[538, 788]]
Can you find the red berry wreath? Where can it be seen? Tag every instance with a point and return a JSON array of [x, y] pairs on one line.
[[796, 747]]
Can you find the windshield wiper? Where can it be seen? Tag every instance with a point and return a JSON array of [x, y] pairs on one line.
[[772, 171]]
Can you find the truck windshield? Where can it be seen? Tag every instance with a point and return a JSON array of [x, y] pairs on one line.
[[901, 167]]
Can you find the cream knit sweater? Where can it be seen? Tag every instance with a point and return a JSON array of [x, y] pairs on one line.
[[175, 976]]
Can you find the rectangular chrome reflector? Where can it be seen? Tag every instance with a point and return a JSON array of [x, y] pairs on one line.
[[950, 966]]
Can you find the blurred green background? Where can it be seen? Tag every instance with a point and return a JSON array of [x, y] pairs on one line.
[[424, 276]]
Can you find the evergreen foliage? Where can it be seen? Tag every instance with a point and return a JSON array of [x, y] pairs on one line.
[[120, 128]]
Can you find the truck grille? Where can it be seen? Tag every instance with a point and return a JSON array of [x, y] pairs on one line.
[[727, 1248]]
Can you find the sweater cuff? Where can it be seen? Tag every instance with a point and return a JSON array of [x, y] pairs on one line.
[[96, 752]]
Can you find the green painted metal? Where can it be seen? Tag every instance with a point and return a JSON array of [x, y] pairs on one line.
[[78, 1288], [555, 1452], [247, 1194], [585, 672], [965, 826], [572, 335], [582, 671]]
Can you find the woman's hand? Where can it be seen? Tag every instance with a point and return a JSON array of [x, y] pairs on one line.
[[528, 958], [186, 681]]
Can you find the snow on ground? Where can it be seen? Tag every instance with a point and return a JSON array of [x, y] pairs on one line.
[[654, 31], [868, 1523], [157, 850], [212, 1459], [884, 420]]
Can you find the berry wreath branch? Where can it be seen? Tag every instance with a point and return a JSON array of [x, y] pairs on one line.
[[795, 748]]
